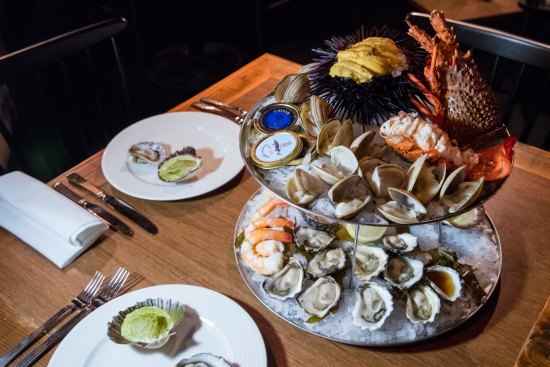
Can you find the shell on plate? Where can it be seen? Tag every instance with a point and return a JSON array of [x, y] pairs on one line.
[[349, 196], [293, 88], [445, 281], [327, 262], [147, 152], [302, 188], [403, 271], [287, 282], [369, 261], [314, 115], [320, 297], [204, 360], [373, 305], [180, 166], [423, 304], [175, 310], [312, 240]]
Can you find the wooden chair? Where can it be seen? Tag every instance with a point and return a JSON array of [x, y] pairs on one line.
[[69, 97], [517, 68]]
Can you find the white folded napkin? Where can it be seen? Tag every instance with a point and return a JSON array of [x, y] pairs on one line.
[[48, 221]]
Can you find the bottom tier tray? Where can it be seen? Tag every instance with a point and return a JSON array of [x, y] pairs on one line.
[[476, 248]]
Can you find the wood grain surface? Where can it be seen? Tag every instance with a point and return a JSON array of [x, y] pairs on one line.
[[195, 246]]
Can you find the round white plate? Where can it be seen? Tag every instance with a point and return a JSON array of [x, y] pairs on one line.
[[215, 138], [212, 323]]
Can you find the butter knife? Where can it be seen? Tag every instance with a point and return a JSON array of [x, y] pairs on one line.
[[114, 202], [96, 210]]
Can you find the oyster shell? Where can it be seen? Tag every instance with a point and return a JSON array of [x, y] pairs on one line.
[[372, 307], [174, 311], [294, 88], [311, 239], [425, 181], [287, 282], [314, 115], [349, 196], [445, 281], [369, 261], [327, 262], [320, 297], [403, 272], [147, 152], [302, 188], [385, 176], [204, 360], [180, 166], [422, 304], [403, 242]]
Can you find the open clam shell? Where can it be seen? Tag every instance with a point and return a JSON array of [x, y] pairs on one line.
[[314, 115], [397, 213], [302, 188], [349, 196], [175, 310], [334, 133], [294, 88], [458, 194], [385, 176], [425, 181], [204, 359]]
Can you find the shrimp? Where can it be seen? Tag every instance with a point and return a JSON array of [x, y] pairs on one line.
[[265, 258]]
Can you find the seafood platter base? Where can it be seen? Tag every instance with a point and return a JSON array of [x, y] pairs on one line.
[[275, 179], [477, 248]]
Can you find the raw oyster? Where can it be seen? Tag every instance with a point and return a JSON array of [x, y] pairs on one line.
[[445, 281], [147, 152], [302, 188], [320, 297], [204, 360], [294, 88], [425, 181], [403, 242], [311, 239], [148, 324], [403, 272], [180, 166], [369, 261], [314, 115], [458, 194], [286, 283], [349, 196], [373, 305], [327, 262], [422, 304]]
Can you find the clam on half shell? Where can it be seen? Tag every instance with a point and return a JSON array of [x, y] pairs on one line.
[[204, 360], [458, 194], [314, 115], [343, 163], [422, 304], [349, 196], [405, 207], [173, 308], [372, 307], [334, 133], [287, 282], [384, 177], [425, 181], [302, 188]]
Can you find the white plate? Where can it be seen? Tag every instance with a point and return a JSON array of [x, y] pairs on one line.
[[213, 323], [215, 138]]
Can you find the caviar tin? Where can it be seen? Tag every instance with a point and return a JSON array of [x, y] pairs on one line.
[[276, 149], [277, 117]]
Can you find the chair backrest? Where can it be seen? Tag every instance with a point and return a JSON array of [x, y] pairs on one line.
[[507, 49], [66, 97]]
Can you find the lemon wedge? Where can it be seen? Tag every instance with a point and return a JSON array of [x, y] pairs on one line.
[[366, 233]]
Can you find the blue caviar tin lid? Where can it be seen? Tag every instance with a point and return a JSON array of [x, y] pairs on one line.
[[277, 117]]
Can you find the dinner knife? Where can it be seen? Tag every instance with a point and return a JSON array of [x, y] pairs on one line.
[[114, 202], [96, 210]]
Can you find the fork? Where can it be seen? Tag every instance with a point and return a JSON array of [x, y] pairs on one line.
[[77, 303], [106, 294]]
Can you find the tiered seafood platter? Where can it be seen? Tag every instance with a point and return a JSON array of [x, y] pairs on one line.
[[370, 228]]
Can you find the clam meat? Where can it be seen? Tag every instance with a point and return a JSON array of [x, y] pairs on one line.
[[422, 304], [349, 196], [287, 282], [372, 307], [327, 262], [320, 297], [458, 194]]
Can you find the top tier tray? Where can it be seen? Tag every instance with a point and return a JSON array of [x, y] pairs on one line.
[[274, 180]]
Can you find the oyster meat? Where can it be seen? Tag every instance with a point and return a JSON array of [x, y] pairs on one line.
[[372, 307], [403, 272], [422, 304], [180, 166], [403, 242], [287, 282], [311, 239], [204, 360], [327, 262], [369, 261], [147, 152], [320, 297]]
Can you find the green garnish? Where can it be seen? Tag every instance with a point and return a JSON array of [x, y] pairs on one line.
[[146, 325]]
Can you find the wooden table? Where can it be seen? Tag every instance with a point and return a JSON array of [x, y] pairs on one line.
[[195, 246]]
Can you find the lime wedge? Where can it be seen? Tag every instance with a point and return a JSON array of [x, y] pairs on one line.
[[146, 325], [467, 220], [366, 233]]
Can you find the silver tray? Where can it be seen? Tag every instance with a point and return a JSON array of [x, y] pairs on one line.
[[483, 251], [273, 180]]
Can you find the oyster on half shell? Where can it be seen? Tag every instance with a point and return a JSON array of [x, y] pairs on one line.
[[204, 360], [147, 152], [327, 262], [372, 307], [445, 281], [403, 272], [148, 324], [403, 242], [287, 282], [320, 297], [312, 240], [422, 304], [369, 261]]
